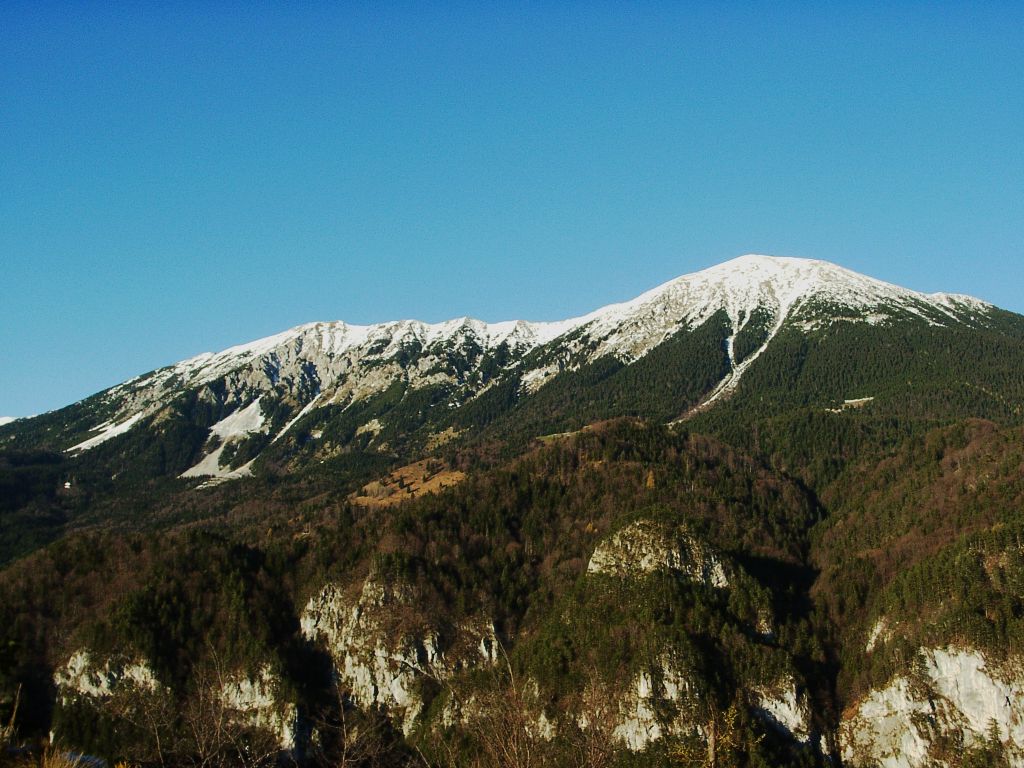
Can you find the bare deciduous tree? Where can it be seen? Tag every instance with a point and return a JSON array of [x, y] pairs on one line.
[[724, 740], [203, 731], [153, 712], [347, 738], [217, 735], [7, 731], [593, 738], [509, 732]]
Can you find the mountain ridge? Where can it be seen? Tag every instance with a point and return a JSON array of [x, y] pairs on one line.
[[545, 331], [745, 302]]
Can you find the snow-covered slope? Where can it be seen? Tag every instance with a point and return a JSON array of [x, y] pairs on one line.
[[772, 289], [322, 364], [334, 363], [780, 285]]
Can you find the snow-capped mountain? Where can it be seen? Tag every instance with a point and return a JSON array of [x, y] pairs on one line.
[[719, 459], [259, 392], [780, 285]]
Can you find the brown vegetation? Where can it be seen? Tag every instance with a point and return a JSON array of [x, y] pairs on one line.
[[408, 482]]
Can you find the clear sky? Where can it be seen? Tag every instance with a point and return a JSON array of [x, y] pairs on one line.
[[178, 178]]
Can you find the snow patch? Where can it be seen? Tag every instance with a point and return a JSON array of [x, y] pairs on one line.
[[533, 380], [232, 428], [240, 423], [305, 409], [731, 381], [107, 431], [210, 466], [857, 402]]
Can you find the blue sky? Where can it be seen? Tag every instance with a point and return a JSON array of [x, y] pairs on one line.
[[177, 179]]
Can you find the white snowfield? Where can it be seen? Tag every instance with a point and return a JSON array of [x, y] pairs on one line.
[[335, 363], [236, 426], [107, 430]]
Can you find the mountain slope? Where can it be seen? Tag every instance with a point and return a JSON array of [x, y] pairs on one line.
[[415, 605], [400, 386], [804, 546]]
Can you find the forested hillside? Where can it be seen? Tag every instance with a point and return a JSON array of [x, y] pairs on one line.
[[768, 522]]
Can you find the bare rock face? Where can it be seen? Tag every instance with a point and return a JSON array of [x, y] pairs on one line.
[[248, 700], [84, 675], [648, 546], [953, 695], [661, 702], [785, 709], [383, 649], [254, 701]]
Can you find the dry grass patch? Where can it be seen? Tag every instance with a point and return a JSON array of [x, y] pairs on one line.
[[408, 482]]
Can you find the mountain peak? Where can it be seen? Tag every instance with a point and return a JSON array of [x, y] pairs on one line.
[[794, 275]]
